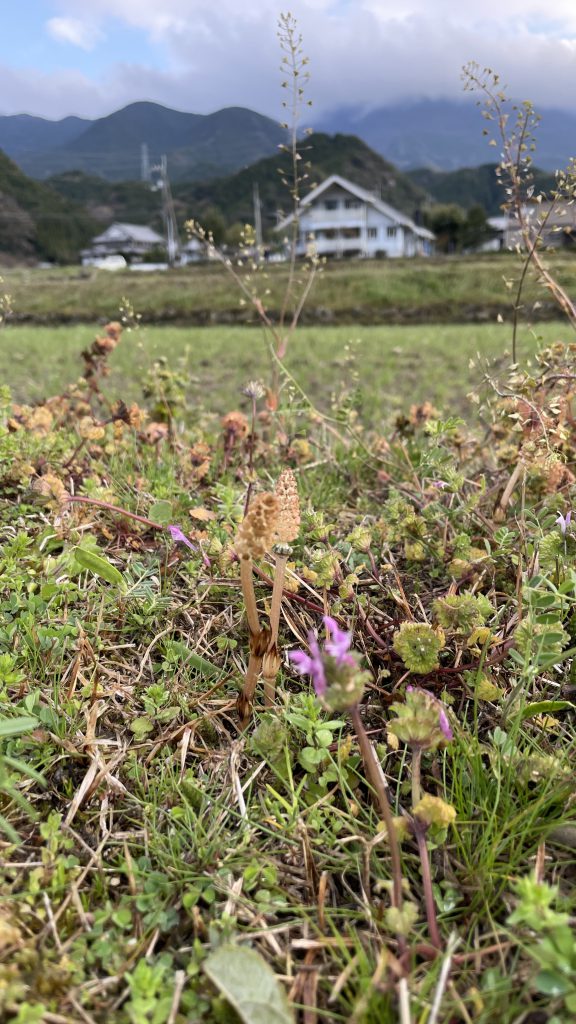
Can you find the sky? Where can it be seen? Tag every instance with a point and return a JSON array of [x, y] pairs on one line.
[[90, 57]]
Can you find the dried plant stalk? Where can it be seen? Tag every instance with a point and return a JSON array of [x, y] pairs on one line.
[[288, 526], [256, 535]]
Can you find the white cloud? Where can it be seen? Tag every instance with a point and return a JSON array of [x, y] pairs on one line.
[[368, 52], [71, 30]]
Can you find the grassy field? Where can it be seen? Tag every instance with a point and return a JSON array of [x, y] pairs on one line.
[[172, 846], [396, 366], [448, 289], [191, 829]]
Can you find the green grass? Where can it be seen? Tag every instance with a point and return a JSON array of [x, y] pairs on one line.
[[160, 831], [445, 289], [396, 366]]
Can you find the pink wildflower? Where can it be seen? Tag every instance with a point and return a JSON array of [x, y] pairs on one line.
[[338, 646], [180, 537]]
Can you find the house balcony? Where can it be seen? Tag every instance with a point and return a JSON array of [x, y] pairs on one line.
[[311, 220], [333, 246]]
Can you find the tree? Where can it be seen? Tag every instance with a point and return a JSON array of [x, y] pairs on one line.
[[447, 222]]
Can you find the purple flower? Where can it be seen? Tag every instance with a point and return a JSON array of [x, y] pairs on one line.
[[338, 646], [444, 723], [564, 521], [311, 664], [440, 484], [178, 536]]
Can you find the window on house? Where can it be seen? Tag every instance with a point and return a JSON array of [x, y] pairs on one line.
[[372, 232], [330, 233], [391, 232], [352, 204], [350, 232], [331, 204]]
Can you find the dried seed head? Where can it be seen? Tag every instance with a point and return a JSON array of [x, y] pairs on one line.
[[258, 530], [254, 389], [235, 424], [114, 330], [288, 507]]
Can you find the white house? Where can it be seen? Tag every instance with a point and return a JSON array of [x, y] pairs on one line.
[[339, 218], [133, 241]]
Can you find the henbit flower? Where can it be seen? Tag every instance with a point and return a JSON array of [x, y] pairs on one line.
[[338, 680], [445, 724], [178, 536], [564, 521], [311, 664], [338, 646]]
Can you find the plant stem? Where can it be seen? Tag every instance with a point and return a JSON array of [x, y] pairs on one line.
[[114, 508], [372, 771], [419, 831], [251, 458], [277, 591], [416, 766], [245, 698], [247, 581]]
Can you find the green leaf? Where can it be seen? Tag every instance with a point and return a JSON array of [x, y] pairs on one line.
[[249, 984], [24, 769], [552, 983], [161, 512], [100, 567], [544, 707], [141, 727], [311, 757], [189, 658], [556, 659], [8, 831], [16, 726]]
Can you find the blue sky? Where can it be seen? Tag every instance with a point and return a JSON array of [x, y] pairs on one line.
[[89, 57]]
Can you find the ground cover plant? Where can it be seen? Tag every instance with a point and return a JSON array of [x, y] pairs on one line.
[[286, 698], [144, 828]]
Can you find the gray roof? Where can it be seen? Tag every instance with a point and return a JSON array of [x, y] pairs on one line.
[[129, 233], [366, 197]]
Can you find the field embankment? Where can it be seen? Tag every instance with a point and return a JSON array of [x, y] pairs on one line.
[[473, 289]]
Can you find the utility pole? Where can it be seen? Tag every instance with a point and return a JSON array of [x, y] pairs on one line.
[[257, 219], [168, 212], [144, 162]]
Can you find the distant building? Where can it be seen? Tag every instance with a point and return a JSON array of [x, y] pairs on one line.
[[341, 219], [194, 251], [555, 223], [132, 241]]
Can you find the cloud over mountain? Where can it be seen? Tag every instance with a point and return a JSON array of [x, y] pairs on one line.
[[195, 54]]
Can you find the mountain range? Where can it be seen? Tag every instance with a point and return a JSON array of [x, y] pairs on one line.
[[446, 134], [198, 146], [437, 134]]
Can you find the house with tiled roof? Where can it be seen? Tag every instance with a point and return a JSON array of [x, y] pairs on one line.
[[341, 219], [132, 241]]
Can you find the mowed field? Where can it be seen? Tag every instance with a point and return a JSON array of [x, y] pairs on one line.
[[396, 366]]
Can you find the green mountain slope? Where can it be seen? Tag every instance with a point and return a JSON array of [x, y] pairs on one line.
[[198, 146], [328, 154], [131, 202], [471, 186], [35, 222], [229, 200]]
